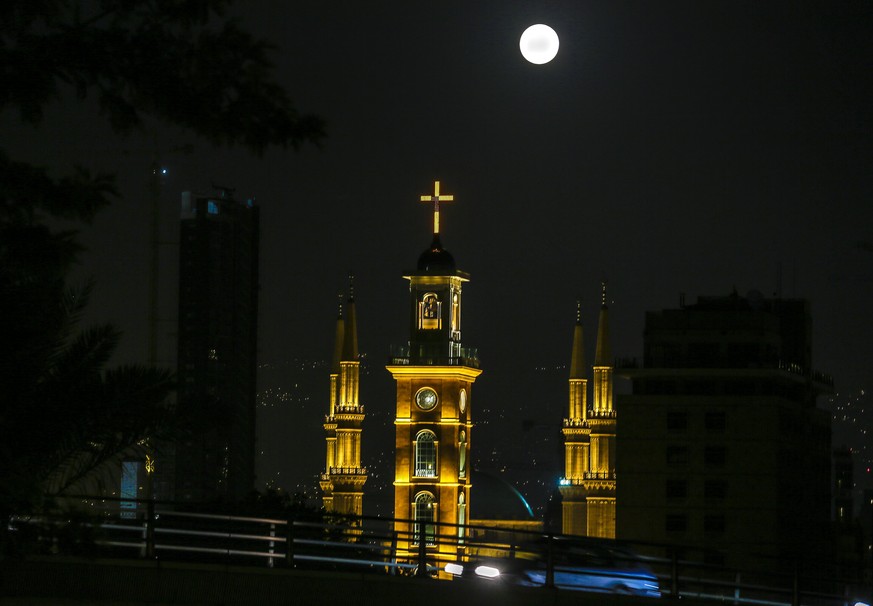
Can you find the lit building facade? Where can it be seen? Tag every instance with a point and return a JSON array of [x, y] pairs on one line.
[[588, 488], [722, 448], [434, 377], [217, 355], [342, 482]]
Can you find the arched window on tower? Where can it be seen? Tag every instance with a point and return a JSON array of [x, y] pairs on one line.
[[429, 312], [423, 514], [456, 315], [425, 454], [462, 517], [462, 454]]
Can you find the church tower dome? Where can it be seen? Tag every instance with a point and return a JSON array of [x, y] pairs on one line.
[[435, 259]]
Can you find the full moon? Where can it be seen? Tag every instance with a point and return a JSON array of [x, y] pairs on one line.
[[539, 44]]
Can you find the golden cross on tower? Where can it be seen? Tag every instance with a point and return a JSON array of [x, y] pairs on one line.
[[436, 198]]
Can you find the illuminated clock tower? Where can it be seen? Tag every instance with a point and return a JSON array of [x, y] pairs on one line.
[[434, 375], [589, 483], [343, 479]]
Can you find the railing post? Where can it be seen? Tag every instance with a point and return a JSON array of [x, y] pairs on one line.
[[795, 589], [674, 573], [422, 552], [272, 545], [150, 529], [738, 579], [289, 543], [550, 561], [392, 556]]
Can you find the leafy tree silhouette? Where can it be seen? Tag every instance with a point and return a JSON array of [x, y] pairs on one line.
[[63, 414]]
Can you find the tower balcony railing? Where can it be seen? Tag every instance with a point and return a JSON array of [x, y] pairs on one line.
[[599, 475], [344, 471], [587, 475], [343, 410], [575, 423], [349, 409], [601, 414], [403, 355]]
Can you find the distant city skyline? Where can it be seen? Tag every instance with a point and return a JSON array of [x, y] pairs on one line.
[[671, 147]]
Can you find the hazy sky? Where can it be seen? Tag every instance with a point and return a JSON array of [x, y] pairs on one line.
[[671, 147]]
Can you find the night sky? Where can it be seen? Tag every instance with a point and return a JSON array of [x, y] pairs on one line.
[[671, 147]]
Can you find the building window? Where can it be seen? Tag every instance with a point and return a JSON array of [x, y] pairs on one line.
[[429, 312], [715, 421], [715, 456], [677, 456], [677, 489], [714, 489], [462, 517], [676, 522], [423, 514], [677, 420], [462, 454], [714, 523], [425, 455], [212, 207]]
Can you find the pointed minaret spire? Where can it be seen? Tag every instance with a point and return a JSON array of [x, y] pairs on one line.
[[603, 352], [350, 345], [603, 361], [338, 339], [577, 357]]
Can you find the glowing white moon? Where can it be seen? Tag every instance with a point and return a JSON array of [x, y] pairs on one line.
[[539, 44]]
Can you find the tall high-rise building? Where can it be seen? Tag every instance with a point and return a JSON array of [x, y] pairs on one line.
[[588, 487], [722, 447], [434, 375], [844, 486], [218, 336], [342, 482]]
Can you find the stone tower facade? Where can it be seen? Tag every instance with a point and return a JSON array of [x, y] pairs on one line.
[[434, 374]]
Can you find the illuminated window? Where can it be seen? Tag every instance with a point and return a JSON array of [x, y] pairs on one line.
[[423, 514], [462, 454], [425, 455], [462, 516], [456, 311], [212, 207], [429, 312]]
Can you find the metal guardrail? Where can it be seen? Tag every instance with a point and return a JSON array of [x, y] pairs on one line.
[[371, 544]]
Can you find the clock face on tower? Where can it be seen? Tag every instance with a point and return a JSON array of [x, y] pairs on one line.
[[426, 398]]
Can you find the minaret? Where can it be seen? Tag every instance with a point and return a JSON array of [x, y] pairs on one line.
[[344, 477], [601, 486], [330, 420], [576, 439], [434, 375]]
